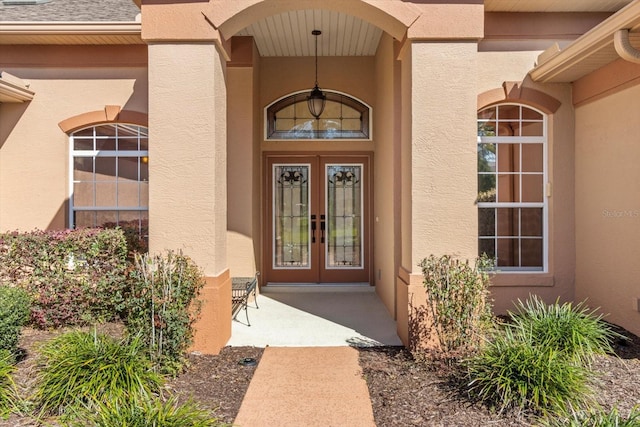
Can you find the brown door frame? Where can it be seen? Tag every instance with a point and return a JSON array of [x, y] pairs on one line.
[[318, 160]]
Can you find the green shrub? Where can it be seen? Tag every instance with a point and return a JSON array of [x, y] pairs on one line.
[[74, 276], [595, 418], [457, 298], [80, 368], [517, 370], [573, 330], [8, 394], [14, 313], [146, 412], [163, 305]]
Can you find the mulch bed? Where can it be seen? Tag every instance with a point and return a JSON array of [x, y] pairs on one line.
[[403, 392]]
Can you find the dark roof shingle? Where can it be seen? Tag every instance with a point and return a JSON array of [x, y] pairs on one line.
[[71, 10]]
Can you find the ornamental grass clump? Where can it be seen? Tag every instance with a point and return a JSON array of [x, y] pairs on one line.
[[596, 418], [14, 313], [517, 371], [9, 400], [574, 330], [81, 368], [146, 413]]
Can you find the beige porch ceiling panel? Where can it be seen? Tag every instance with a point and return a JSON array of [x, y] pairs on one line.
[[289, 34], [592, 51], [554, 5]]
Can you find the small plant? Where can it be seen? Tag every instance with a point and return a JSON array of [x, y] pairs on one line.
[[80, 368], [163, 305], [573, 330], [8, 394], [146, 412], [595, 418], [14, 313], [457, 297], [518, 371]]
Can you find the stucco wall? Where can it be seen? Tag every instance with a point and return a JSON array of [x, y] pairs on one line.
[[608, 206], [188, 197], [386, 241], [34, 156], [495, 68]]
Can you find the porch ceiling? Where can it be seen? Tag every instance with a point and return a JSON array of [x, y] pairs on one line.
[[289, 34]]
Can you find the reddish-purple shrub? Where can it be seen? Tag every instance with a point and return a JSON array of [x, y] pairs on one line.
[[74, 276]]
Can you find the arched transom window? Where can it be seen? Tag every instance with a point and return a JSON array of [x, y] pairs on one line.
[[109, 183], [343, 117], [512, 204]]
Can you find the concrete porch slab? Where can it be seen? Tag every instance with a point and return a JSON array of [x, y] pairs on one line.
[[316, 316]]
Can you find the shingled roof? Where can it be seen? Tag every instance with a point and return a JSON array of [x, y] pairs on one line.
[[70, 11]]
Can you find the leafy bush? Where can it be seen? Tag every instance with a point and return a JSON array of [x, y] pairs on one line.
[[596, 418], [457, 297], [573, 330], [146, 412], [517, 370], [163, 305], [80, 368], [14, 313], [8, 394], [74, 276]]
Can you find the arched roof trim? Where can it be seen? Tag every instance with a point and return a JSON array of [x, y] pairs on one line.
[[110, 114], [515, 92]]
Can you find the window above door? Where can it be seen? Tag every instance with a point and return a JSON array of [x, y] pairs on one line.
[[344, 117]]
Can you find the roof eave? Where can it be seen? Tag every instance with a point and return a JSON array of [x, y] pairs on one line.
[[13, 89], [70, 28], [552, 65]]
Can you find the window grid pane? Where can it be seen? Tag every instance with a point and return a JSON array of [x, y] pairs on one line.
[[511, 175], [110, 177]]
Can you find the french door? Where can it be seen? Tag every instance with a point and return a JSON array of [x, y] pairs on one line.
[[317, 219]]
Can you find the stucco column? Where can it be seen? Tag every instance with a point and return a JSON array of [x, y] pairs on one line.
[[187, 169], [443, 161]]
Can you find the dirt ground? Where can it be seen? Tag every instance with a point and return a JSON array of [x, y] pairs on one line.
[[403, 392]]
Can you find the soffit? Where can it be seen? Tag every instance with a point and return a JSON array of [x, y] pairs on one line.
[[554, 5], [70, 33], [592, 51], [289, 34]]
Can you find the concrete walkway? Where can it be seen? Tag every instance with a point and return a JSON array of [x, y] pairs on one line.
[[309, 373], [307, 387]]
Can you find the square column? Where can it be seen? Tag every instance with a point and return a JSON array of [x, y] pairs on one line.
[[187, 170]]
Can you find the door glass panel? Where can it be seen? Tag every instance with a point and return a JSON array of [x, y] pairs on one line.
[[291, 216], [344, 216]]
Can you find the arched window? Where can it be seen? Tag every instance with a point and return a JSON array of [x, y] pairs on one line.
[[109, 183], [512, 174], [343, 117]]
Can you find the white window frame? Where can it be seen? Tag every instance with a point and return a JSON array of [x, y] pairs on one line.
[[73, 154], [522, 140]]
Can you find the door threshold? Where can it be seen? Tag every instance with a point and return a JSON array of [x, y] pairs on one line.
[[317, 287]]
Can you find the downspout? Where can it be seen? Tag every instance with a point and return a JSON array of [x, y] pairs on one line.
[[624, 48]]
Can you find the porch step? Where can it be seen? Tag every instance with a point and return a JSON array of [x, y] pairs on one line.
[[276, 287]]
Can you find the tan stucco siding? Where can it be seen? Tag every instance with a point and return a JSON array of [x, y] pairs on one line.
[[386, 165], [443, 166], [608, 206], [34, 156], [188, 195]]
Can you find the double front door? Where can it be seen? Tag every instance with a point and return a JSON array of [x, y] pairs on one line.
[[317, 219]]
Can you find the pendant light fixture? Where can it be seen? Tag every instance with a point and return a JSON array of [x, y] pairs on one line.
[[316, 98]]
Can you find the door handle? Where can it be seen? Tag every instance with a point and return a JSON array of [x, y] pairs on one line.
[[322, 227], [313, 228]]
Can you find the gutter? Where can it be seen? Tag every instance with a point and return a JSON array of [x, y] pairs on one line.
[[14, 89], [601, 36], [70, 28]]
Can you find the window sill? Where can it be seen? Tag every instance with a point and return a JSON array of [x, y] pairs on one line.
[[525, 279]]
